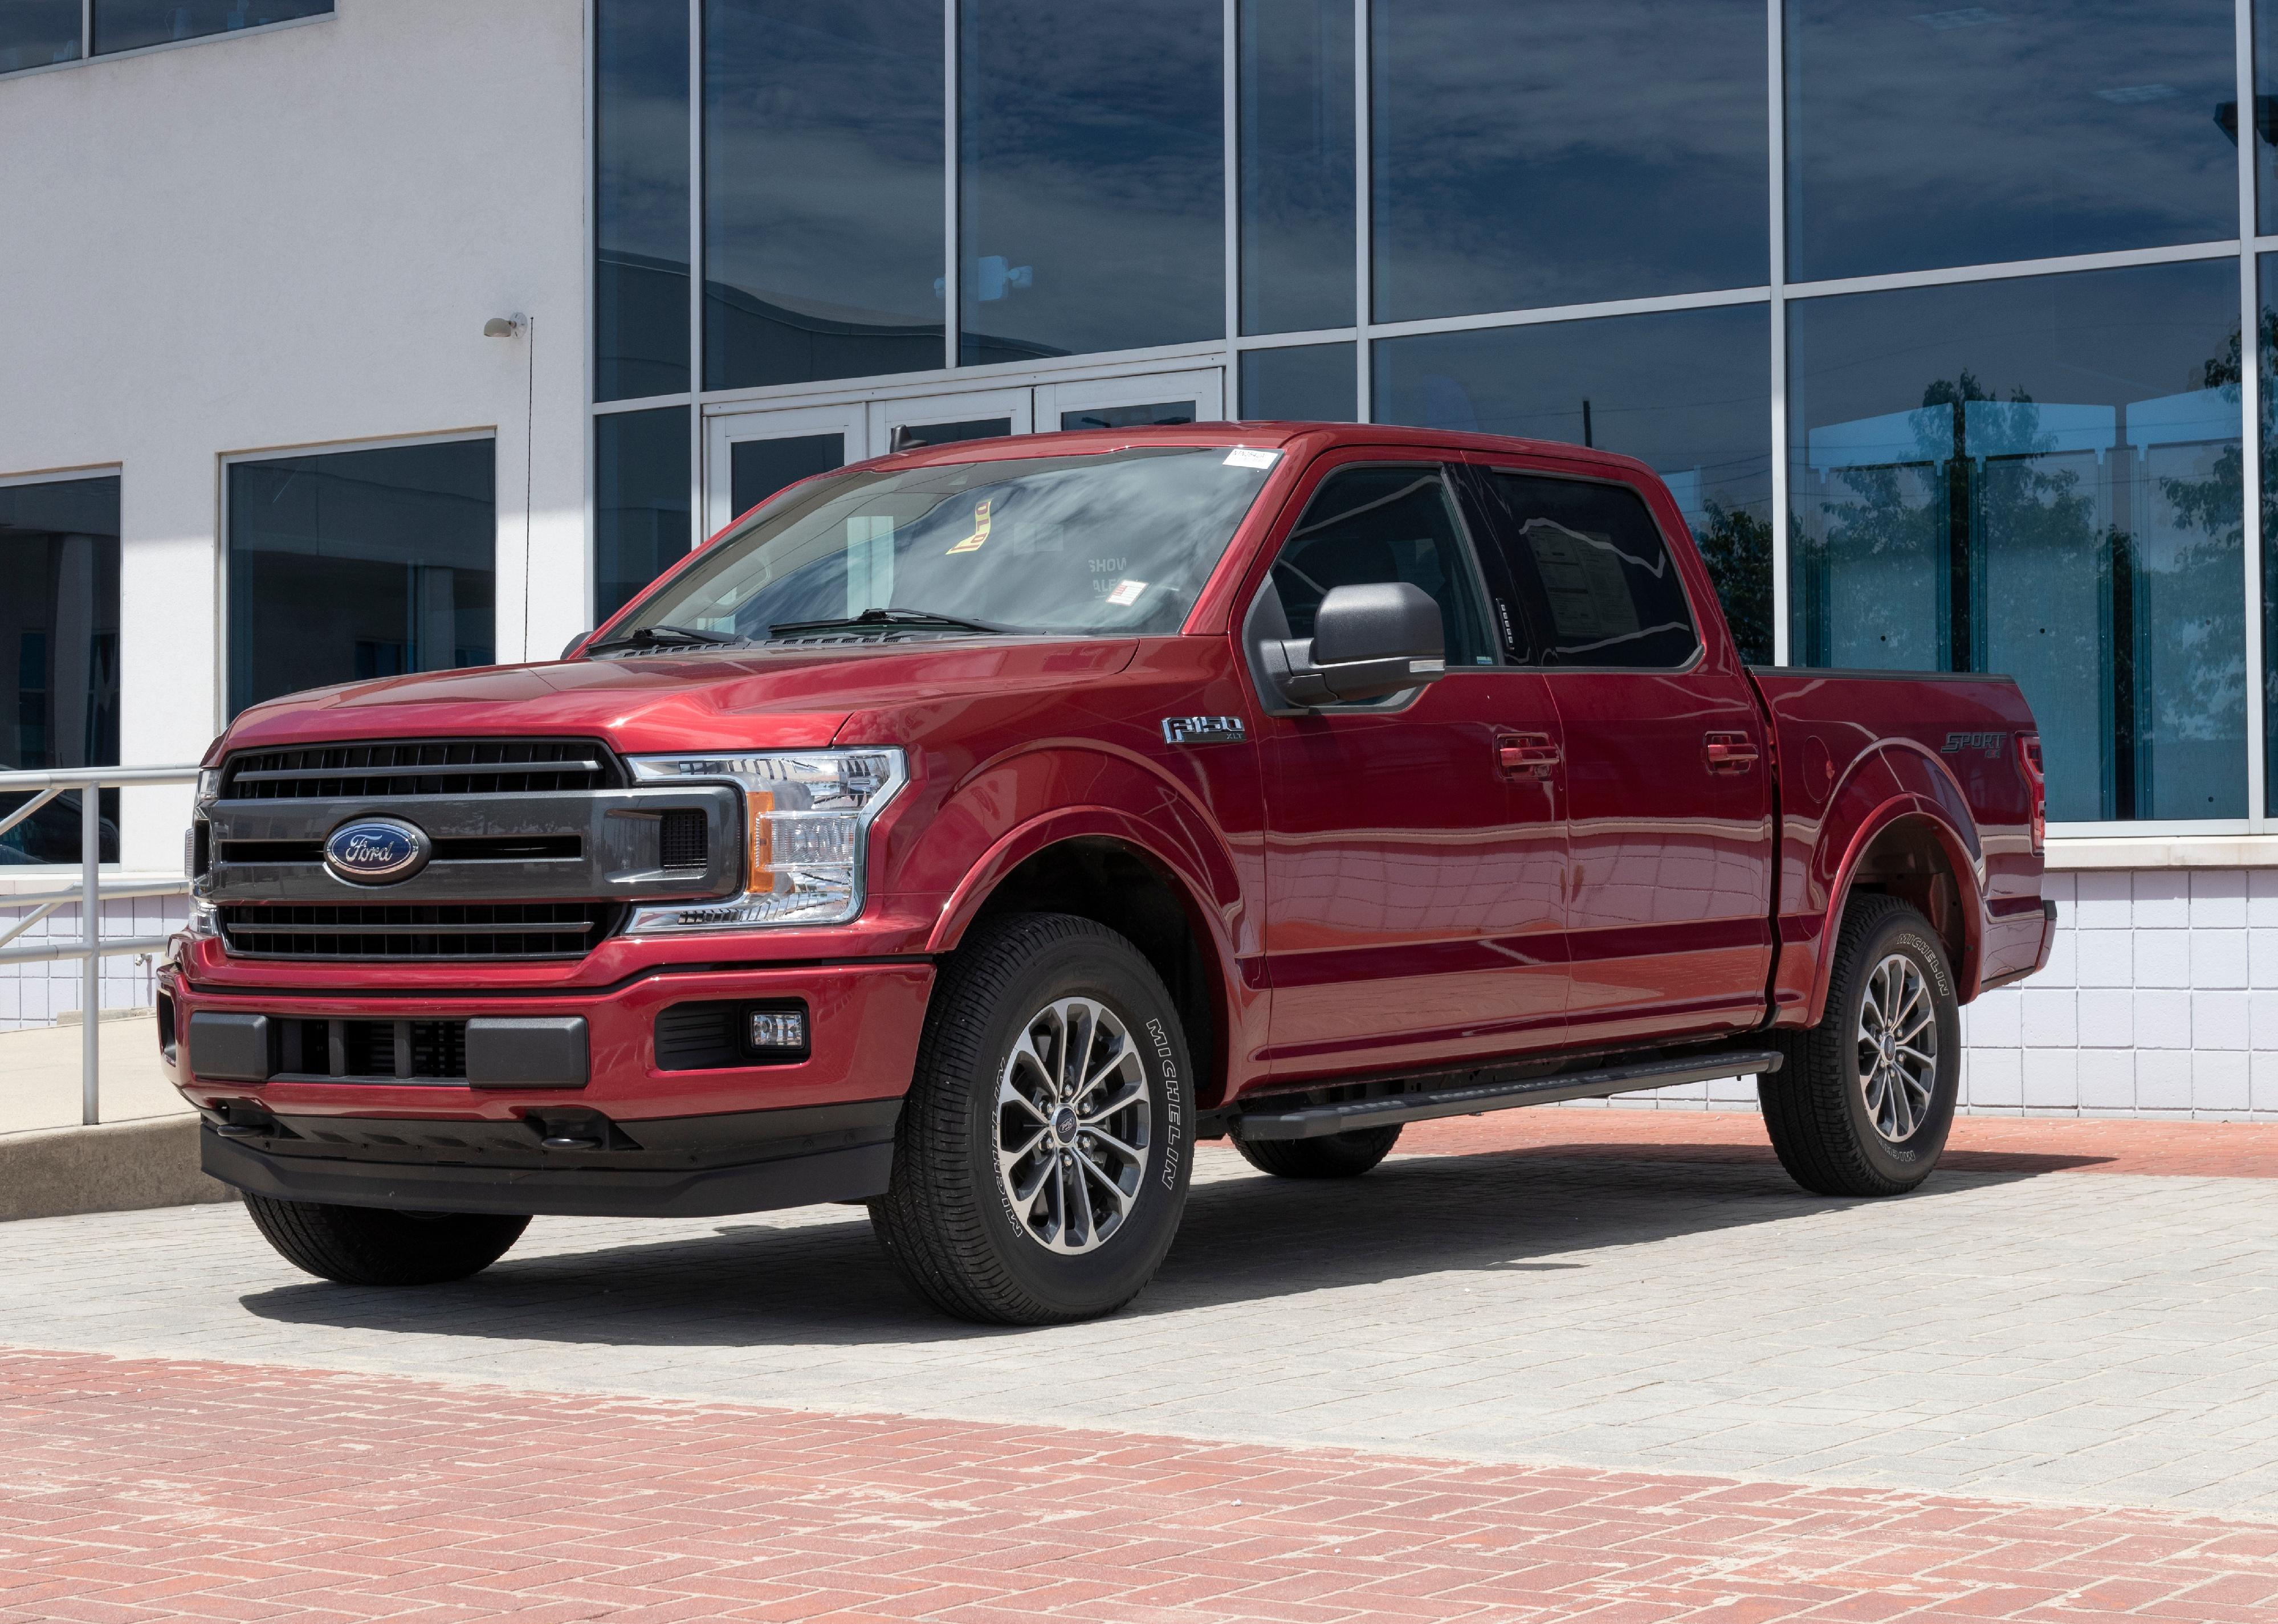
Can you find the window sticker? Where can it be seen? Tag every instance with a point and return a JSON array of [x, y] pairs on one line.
[[1127, 593], [1243, 456], [972, 544]]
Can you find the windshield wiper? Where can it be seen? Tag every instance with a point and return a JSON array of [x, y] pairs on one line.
[[665, 636], [884, 619]]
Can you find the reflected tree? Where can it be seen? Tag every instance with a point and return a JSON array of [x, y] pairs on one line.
[[1738, 547]]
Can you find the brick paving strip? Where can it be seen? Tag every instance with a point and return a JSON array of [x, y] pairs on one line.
[[142, 1490], [1979, 1144]]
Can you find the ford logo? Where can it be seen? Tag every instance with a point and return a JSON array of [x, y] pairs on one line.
[[377, 851]]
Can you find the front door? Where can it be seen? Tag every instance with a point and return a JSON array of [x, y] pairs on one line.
[[1415, 848]]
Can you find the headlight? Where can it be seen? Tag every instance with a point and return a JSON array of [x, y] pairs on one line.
[[810, 812], [208, 784]]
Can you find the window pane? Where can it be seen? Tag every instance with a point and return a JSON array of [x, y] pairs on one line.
[[2039, 477], [2266, 322], [2265, 122], [822, 190], [759, 469], [1688, 393], [359, 564], [1297, 201], [1311, 383], [1093, 179], [641, 199], [1593, 569], [1535, 154], [34, 33], [59, 654], [2021, 131], [640, 502], [1367, 525], [122, 25]]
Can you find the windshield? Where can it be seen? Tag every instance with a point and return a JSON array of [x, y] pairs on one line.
[[1118, 543]]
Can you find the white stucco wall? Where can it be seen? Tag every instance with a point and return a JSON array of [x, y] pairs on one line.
[[285, 239]]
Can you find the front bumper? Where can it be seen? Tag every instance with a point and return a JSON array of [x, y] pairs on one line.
[[686, 1167], [864, 1020]]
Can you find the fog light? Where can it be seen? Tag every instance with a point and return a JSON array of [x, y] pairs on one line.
[[777, 1030]]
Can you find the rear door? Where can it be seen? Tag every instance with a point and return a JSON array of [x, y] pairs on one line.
[[1667, 765], [1415, 847]]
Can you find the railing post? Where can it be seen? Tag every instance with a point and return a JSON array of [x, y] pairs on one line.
[[90, 1052]]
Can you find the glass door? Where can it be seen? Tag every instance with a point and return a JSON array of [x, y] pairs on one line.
[[749, 456], [1199, 396]]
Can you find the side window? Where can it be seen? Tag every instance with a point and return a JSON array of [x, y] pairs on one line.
[[1371, 524], [1593, 568]]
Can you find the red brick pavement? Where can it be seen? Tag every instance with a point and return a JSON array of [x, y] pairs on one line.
[[1980, 1144], [150, 1490]]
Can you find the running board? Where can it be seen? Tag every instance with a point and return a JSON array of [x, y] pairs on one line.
[[1264, 1120]]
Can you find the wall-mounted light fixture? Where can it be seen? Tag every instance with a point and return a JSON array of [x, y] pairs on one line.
[[504, 326]]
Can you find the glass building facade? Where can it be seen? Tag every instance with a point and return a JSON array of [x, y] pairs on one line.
[[1933, 318]]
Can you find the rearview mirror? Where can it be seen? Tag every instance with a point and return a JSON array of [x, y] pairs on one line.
[[1368, 642]]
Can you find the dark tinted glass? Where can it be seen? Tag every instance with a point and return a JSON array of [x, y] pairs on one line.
[[1093, 176], [759, 469], [122, 25], [59, 654], [1298, 199], [2265, 122], [1309, 383], [2040, 477], [1161, 414], [1592, 570], [1954, 136], [359, 564], [1565, 151], [1366, 525], [34, 33], [641, 199], [822, 190], [1688, 391], [2268, 324], [642, 525]]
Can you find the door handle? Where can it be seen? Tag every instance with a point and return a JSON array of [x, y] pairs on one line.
[[1729, 752], [1526, 755]]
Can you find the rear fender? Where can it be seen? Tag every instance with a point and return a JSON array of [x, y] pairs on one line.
[[1899, 782]]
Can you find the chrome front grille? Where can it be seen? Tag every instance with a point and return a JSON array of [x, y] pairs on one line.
[[399, 768], [415, 930]]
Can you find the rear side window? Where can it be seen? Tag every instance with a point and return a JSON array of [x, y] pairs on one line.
[[1591, 567], [1366, 525]]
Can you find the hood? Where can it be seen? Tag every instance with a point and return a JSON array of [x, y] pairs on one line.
[[750, 699]]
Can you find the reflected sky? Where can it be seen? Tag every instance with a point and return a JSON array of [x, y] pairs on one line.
[[1920, 136], [1093, 176], [1535, 155], [640, 200], [822, 184]]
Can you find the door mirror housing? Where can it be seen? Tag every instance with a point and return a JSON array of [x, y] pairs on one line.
[[570, 647], [1368, 642]]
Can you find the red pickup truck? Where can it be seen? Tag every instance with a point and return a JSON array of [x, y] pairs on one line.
[[968, 832]]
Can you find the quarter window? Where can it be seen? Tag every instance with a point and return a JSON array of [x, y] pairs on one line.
[[1366, 525], [1592, 570]]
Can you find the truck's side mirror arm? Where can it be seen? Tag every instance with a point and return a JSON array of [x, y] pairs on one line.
[[1368, 642]]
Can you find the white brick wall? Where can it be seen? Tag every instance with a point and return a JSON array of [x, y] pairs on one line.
[[33, 994], [2160, 999]]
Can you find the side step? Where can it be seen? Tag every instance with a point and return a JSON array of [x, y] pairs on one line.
[[1263, 1119]]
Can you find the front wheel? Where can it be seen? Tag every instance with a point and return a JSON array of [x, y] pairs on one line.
[[1863, 1101], [1041, 1162], [370, 1245]]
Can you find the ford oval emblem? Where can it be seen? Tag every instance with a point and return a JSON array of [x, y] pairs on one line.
[[377, 851]]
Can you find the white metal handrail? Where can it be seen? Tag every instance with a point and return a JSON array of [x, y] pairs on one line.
[[93, 947]]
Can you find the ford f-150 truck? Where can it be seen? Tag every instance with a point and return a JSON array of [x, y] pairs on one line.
[[970, 831]]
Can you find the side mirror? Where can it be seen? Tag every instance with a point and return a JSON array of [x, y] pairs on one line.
[[570, 647], [1368, 642]]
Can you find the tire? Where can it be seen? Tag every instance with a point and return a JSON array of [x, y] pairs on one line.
[[1336, 1155], [1822, 1107], [1012, 1245], [370, 1246]]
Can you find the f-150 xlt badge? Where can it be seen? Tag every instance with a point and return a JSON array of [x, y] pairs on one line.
[[377, 851], [1203, 730]]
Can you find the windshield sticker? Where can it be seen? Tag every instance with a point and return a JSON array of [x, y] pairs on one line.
[[1243, 456], [1127, 593], [972, 544]]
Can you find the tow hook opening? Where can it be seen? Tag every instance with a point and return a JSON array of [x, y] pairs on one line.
[[577, 1128]]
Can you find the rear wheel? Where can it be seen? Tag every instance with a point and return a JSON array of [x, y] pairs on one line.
[[1863, 1101], [1336, 1155], [370, 1246], [1041, 1164]]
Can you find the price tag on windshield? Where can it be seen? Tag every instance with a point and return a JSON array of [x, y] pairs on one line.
[[1243, 456]]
